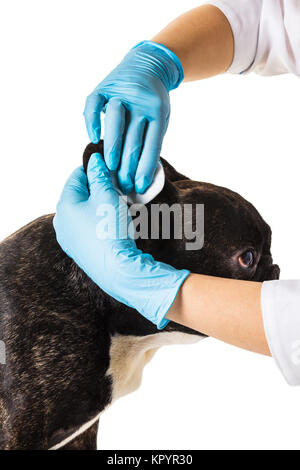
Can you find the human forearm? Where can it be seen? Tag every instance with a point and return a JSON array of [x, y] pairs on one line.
[[203, 41], [226, 309]]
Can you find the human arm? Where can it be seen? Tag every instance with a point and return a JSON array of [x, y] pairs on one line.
[[260, 317], [223, 35], [226, 309], [203, 41]]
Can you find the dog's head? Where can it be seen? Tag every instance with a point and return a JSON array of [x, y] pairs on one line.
[[236, 242]]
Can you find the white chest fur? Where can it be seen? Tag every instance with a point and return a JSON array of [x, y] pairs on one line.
[[130, 354], [128, 357]]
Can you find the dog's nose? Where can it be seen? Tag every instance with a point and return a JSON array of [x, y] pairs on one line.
[[272, 273]]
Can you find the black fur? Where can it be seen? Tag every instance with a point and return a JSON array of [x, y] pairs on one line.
[[57, 324]]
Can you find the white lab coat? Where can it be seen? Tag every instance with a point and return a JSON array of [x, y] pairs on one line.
[[267, 41]]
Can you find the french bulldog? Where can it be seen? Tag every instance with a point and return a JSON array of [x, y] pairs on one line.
[[70, 349]]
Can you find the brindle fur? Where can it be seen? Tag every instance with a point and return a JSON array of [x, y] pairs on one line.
[[57, 324]]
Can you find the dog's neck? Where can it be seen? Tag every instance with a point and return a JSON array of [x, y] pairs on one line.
[[116, 318]]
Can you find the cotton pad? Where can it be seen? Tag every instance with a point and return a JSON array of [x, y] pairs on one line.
[[155, 188]]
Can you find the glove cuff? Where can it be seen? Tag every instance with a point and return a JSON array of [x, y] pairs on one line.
[[167, 302], [169, 60]]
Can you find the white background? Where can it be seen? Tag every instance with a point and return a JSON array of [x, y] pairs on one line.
[[239, 132]]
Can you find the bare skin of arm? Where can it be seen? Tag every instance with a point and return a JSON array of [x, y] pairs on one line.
[[203, 41], [226, 309]]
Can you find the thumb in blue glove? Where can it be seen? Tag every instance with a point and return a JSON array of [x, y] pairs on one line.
[[144, 284]]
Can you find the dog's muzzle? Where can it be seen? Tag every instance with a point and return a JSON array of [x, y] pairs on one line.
[[266, 270]]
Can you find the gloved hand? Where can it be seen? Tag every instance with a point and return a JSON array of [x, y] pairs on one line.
[[104, 249], [135, 97]]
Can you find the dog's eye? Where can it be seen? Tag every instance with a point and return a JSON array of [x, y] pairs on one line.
[[246, 259]]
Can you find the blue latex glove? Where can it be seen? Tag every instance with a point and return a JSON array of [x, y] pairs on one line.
[[135, 98], [113, 263]]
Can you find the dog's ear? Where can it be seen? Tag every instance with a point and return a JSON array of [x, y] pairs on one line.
[[168, 193], [170, 172], [89, 150]]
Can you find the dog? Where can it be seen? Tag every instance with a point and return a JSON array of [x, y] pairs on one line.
[[71, 350]]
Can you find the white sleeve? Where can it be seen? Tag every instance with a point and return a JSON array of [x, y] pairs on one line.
[[280, 301], [266, 35]]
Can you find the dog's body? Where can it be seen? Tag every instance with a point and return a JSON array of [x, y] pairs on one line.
[[70, 348]]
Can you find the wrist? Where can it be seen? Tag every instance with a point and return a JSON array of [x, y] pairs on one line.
[[167, 64], [163, 284], [176, 310]]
